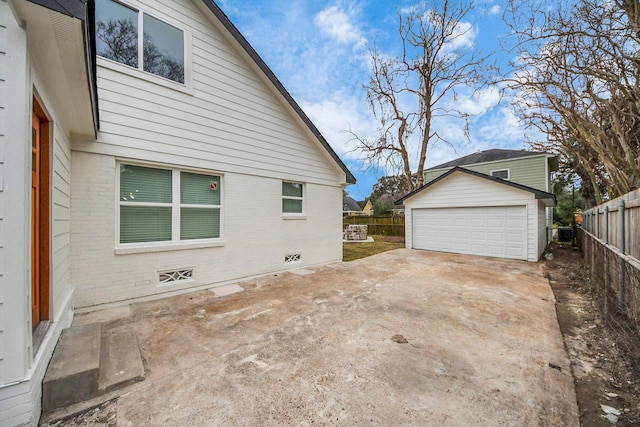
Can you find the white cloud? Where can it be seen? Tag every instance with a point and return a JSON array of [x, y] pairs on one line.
[[494, 10], [464, 35], [338, 24], [336, 116], [479, 102]]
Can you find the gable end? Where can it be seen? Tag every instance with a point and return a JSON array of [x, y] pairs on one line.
[[540, 195]]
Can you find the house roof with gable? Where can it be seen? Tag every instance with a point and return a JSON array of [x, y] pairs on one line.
[[486, 156], [85, 11], [539, 194]]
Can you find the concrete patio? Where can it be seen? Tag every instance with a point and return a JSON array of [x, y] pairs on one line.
[[400, 338]]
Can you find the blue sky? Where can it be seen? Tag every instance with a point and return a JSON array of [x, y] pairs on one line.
[[319, 51]]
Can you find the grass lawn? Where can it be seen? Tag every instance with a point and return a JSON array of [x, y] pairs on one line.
[[351, 251]]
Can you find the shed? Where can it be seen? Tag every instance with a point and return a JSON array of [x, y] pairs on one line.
[[468, 212]]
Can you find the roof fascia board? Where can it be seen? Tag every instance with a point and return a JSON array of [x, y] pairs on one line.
[[539, 195], [74, 8], [237, 35]]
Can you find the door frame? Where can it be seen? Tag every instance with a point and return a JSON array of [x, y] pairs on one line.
[[42, 221]]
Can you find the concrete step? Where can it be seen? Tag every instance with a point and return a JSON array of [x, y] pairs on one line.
[[73, 371], [120, 361], [89, 361]]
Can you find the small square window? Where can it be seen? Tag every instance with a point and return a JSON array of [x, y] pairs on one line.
[[292, 197], [500, 173]]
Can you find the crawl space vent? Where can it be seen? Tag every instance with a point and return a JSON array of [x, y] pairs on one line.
[[292, 258], [167, 277]]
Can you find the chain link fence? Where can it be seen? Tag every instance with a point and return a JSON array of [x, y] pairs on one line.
[[610, 241]]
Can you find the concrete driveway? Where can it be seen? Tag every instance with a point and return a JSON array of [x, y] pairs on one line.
[[324, 347]]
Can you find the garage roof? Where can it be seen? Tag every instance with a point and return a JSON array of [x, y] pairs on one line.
[[548, 198], [489, 156]]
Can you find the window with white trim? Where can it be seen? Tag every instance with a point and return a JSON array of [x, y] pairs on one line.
[[167, 205], [134, 38], [500, 173], [292, 197]]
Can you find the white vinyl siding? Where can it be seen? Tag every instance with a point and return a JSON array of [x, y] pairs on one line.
[[543, 228], [4, 14], [234, 121], [22, 77]]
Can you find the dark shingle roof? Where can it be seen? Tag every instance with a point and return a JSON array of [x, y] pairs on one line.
[[350, 205], [487, 156], [539, 194]]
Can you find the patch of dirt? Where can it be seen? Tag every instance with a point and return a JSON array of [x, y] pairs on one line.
[[100, 416], [603, 373]]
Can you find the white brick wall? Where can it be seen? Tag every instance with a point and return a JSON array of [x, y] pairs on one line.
[[256, 236]]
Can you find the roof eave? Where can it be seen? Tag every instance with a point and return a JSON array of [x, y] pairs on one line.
[[547, 199], [84, 11]]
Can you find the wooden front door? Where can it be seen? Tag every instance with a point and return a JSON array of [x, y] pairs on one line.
[[39, 215]]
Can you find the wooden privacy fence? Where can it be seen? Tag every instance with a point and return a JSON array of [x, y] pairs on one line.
[[380, 225], [611, 246]]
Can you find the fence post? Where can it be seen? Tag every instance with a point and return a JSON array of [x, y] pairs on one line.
[[623, 249], [606, 225], [596, 227]]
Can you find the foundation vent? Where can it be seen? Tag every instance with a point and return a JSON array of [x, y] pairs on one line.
[[288, 259], [168, 277]]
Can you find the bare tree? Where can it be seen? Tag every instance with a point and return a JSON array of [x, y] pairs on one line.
[[578, 74], [408, 91]]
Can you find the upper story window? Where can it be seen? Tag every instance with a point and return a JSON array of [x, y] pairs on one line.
[[501, 173], [136, 39], [292, 197]]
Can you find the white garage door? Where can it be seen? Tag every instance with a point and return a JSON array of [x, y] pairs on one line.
[[498, 231]]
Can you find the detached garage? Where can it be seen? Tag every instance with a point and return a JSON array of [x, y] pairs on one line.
[[469, 212]]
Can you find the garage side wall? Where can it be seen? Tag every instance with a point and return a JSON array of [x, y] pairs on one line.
[[542, 228], [463, 190]]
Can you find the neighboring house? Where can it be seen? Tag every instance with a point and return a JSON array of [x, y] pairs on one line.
[[367, 207], [350, 207], [529, 168], [182, 167], [498, 204]]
